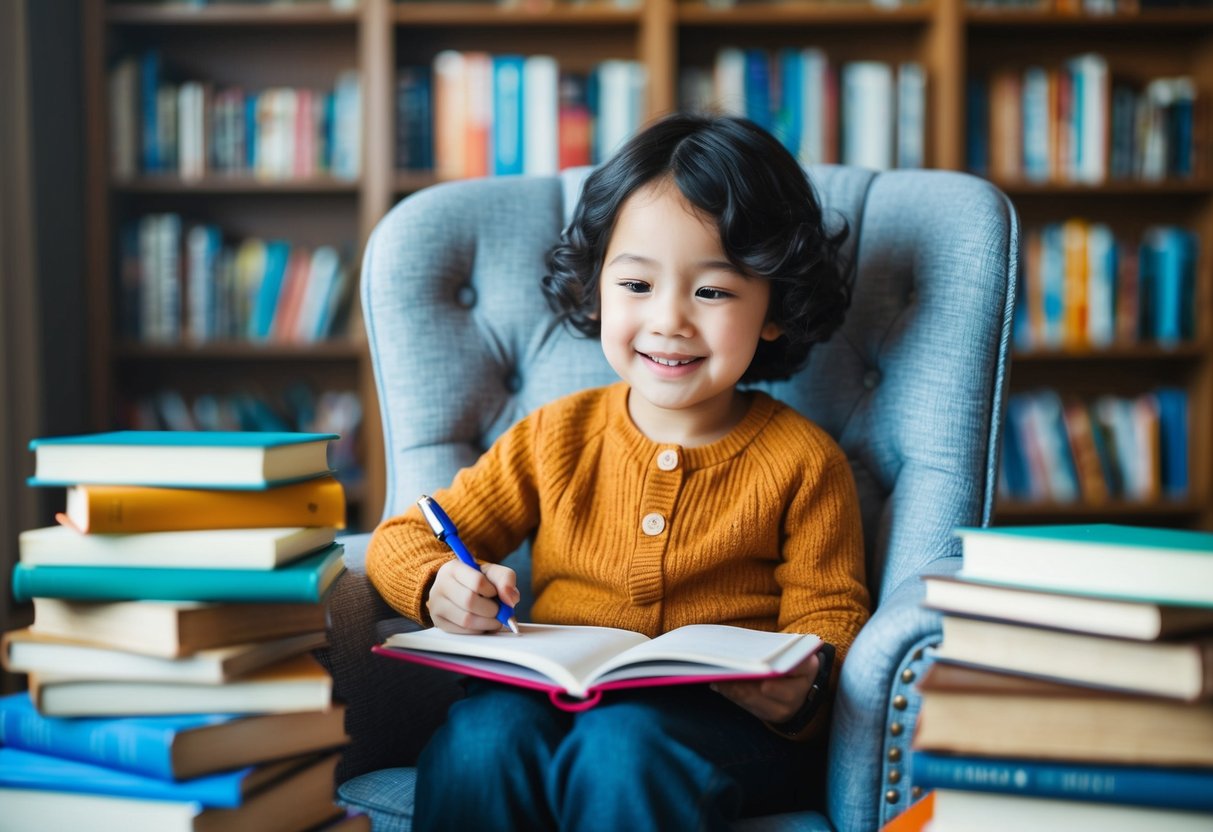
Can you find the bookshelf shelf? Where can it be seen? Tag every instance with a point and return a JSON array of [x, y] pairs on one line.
[[241, 184], [257, 46], [230, 14], [240, 351], [491, 14], [806, 14]]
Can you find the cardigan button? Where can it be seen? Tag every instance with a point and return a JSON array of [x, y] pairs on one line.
[[653, 524], [667, 460]]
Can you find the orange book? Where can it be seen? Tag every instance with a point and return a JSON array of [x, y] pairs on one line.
[[478, 78], [124, 509], [914, 819], [1091, 483], [1074, 247]]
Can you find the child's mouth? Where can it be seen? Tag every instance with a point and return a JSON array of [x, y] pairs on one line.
[[667, 366]]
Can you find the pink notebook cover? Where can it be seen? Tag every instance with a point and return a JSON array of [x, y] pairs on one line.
[[559, 696]]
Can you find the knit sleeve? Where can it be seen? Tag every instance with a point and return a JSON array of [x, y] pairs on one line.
[[495, 505], [823, 590]]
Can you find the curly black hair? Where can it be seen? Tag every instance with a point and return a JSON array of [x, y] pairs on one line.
[[767, 213]]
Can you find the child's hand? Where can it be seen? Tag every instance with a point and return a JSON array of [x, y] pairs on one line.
[[773, 700], [462, 599]]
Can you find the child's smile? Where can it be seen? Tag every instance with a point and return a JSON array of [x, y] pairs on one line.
[[680, 322]]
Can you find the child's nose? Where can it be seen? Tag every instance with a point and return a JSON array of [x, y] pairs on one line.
[[671, 317]]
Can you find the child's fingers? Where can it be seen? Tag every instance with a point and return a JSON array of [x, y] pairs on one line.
[[504, 581]]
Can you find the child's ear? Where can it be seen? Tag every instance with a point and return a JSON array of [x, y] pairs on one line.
[[771, 331]]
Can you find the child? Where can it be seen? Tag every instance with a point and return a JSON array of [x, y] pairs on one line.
[[698, 256]]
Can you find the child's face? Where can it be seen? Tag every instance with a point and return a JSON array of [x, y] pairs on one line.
[[680, 324]]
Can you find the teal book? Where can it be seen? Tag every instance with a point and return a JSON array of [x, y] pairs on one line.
[[1162, 566], [1165, 787], [302, 581], [182, 459], [169, 747], [21, 769]]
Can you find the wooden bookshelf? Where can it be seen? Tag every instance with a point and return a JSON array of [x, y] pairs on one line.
[[306, 44]]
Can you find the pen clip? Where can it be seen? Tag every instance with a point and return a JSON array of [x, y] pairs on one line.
[[436, 517]]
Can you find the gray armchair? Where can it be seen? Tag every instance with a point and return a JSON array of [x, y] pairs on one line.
[[912, 387]]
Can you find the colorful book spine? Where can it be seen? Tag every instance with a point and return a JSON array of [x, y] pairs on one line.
[[138, 745], [21, 769], [302, 581], [1175, 788]]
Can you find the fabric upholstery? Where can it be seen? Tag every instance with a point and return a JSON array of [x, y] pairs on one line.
[[912, 387]]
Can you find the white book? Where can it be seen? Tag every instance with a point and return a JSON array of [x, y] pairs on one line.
[[963, 811], [25, 651], [911, 115], [324, 271], [450, 114], [192, 549], [814, 120], [541, 115], [620, 104], [729, 75], [203, 246], [296, 684], [867, 115]]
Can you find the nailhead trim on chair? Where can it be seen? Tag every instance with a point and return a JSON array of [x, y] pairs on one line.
[[904, 703]]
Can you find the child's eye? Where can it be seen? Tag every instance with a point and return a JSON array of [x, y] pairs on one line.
[[637, 287], [708, 293]]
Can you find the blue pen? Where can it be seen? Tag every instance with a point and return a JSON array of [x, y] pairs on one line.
[[445, 531]]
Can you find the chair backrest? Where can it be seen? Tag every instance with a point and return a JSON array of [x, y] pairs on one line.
[[912, 386]]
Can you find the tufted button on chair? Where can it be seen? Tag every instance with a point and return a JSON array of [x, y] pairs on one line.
[[912, 387]]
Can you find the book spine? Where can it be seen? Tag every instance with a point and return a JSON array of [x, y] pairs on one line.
[[1145, 786], [100, 583], [123, 744], [26, 770]]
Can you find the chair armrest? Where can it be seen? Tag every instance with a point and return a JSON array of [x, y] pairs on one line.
[[391, 707], [877, 705]]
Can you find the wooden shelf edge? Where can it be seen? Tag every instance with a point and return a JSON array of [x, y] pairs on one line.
[[855, 13], [229, 14], [1189, 351], [1110, 511], [494, 14], [1157, 18], [337, 350], [234, 184]]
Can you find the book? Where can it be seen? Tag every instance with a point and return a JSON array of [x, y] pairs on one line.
[[297, 684], [123, 509], [303, 580], [21, 769], [23, 651], [1167, 787], [301, 799], [171, 628], [576, 664], [175, 747], [914, 819], [1099, 616], [1170, 566], [193, 549], [976, 712], [186, 459], [962, 811], [1180, 669]]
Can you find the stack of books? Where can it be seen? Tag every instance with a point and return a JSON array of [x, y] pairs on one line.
[[1074, 683], [176, 605]]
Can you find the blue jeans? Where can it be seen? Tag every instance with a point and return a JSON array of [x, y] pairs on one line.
[[675, 758]]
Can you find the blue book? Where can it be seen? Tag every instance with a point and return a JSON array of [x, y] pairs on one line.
[[1173, 440], [758, 87], [149, 89], [169, 747], [302, 581], [21, 769], [265, 302], [507, 114], [1176, 788], [182, 459], [790, 112]]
